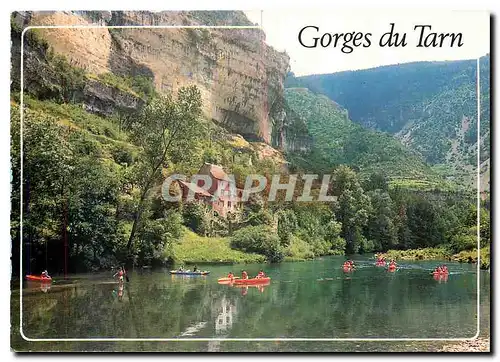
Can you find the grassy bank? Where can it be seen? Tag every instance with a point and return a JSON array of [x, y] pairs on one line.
[[465, 256], [193, 249]]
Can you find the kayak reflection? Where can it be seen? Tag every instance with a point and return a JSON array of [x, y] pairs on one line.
[[245, 288]]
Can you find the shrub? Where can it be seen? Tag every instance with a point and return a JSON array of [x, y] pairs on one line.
[[259, 239], [196, 217], [466, 240]]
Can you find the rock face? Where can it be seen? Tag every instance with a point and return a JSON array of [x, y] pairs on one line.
[[105, 100], [240, 77]]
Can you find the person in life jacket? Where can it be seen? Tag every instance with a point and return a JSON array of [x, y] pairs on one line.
[[244, 275], [45, 274], [261, 274], [120, 274], [230, 275]]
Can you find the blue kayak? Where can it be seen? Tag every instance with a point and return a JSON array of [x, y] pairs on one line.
[[179, 272]]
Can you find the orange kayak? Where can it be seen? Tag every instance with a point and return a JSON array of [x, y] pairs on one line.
[[252, 281], [262, 285], [226, 280], [39, 278]]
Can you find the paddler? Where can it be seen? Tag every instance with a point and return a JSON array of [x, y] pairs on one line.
[[230, 275], [392, 264], [261, 274], [45, 274], [120, 274], [244, 275]]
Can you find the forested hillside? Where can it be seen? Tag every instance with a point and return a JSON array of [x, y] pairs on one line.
[[430, 106], [337, 140]]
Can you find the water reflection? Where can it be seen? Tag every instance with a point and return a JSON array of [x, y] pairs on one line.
[[119, 291], [224, 320], [441, 278], [45, 287], [312, 299], [227, 312]]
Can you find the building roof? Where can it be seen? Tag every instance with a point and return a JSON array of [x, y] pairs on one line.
[[215, 171], [195, 188]]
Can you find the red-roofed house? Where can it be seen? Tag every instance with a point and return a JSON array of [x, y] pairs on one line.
[[222, 196]]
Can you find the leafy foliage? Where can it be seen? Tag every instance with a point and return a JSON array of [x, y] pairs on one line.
[[258, 239]]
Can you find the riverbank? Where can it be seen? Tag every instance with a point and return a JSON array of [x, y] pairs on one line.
[[465, 256], [196, 249]]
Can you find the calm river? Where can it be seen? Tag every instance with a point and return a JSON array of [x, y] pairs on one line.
[[313, 299]]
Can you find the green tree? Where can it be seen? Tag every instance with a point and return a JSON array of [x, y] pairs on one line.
[[46, 171], [380, 228], [287, 224], [165, 130], [92, 221], [351, 208]]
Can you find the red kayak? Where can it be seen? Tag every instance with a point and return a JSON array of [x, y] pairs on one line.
[[227, 280], [252, 281], [440, 273], [391, 269], [39, 278]]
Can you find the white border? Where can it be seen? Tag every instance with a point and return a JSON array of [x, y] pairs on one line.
[[221, 339]]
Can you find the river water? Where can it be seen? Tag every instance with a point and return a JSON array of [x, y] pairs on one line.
[[313, 299]]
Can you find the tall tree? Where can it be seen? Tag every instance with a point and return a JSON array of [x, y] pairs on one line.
[[352, 207], [165, 131], [380, 226]]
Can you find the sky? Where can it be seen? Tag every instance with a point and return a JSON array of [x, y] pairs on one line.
[[282, 28]]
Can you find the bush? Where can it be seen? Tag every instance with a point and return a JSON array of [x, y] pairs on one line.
[[195, 217], [258, 239], [470, 256], [261, 217], [466, 240], [299, 249], [367, 246], [122, 154]]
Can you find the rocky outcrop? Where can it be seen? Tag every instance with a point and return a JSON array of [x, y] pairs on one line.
[[240, 77], [106, 100]]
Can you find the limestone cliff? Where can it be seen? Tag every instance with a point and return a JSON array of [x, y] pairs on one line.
[[240, 77]]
